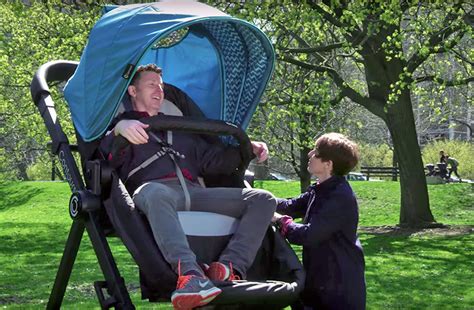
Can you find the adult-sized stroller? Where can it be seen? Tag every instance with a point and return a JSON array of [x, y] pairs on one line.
[[216, 68]]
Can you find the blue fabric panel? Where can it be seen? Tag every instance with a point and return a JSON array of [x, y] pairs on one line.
[[233, 62], [257, 64], [202, 81]]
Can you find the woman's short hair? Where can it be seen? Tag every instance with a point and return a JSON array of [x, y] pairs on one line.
[[336, 147]]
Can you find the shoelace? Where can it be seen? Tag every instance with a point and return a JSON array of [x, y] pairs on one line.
[[182, 280], [232, 276]]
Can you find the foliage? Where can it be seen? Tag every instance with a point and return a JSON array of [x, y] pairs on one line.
[[375, 155], [462, 151], [31, 35], [34, 225], [378, 55]]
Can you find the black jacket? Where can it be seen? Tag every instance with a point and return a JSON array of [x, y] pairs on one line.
[[332, 254], [200, 158]]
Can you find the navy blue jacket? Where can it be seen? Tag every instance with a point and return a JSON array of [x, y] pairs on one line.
[[332, 254]]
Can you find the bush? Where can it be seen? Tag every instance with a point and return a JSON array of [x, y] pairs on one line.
[[461, 150], [40, 170], [372, 155]]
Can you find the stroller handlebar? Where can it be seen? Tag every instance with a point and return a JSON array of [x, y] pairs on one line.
[[59, 70], [196, 126]]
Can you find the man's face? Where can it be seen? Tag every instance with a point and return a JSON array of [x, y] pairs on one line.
[[147, 93]]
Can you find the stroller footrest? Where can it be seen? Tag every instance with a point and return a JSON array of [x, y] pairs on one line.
[[105, 303]]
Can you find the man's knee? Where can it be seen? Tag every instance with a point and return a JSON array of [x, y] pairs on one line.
[[263, 199], [156, 196]]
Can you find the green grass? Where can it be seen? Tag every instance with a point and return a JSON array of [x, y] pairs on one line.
[[411, 270]]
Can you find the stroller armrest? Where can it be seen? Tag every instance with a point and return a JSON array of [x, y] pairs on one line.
[[197, 126]]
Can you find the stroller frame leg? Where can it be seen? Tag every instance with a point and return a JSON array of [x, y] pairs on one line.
[[65, 267], [114, 283]]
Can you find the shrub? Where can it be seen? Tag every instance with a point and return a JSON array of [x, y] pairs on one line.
[[40, 170], [372, 155]]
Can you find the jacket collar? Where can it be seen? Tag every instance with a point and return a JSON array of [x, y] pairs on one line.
[[328, 185]]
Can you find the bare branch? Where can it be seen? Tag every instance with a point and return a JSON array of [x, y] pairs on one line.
[[316, 49], [460, 56], [14, 85], [444, 82]]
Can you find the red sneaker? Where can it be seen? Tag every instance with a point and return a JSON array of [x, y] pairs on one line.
[[220, 272], [193, 291]]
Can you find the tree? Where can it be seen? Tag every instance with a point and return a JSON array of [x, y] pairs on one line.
[[31, 35], [376, 53]]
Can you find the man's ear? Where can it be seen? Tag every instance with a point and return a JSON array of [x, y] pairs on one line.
[[132, 90]]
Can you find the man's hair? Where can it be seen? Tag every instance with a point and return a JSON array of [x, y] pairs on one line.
[[336, 147], [145, 68]]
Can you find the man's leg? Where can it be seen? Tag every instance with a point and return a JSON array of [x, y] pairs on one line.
[[254, 208], [455, 170], [159, 202]]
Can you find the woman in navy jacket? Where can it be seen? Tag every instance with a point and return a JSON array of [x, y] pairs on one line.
[[332, 254]]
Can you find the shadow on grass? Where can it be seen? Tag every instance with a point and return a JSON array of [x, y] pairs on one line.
[[424, 272], [15, 194], [29, 258], [40, 238]]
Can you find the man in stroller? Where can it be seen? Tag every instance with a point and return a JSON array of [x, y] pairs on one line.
[[161, 170]]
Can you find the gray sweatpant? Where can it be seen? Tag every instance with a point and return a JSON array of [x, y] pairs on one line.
[[159, 201]]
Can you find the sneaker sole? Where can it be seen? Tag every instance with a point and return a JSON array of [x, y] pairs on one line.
[[185, 301]]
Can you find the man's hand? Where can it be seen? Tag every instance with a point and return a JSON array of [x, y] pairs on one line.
[[132, 130], [276, 217], [260, 150]]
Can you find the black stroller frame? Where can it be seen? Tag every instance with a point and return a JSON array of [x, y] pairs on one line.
[[86, 206]]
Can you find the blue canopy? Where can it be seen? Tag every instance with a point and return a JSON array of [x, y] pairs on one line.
[[222, 63]]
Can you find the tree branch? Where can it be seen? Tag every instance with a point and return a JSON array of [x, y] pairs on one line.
[[460, 56], [316, 49], [444, 82], [370, 104], [354, 34], [436, 38]]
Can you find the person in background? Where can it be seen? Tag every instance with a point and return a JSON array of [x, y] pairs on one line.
[[332, 253], [442, 157], [453, 167]]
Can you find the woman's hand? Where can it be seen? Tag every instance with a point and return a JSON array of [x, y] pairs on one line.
[[132, 130]]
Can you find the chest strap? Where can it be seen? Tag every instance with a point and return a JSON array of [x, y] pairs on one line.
[[166, 149]]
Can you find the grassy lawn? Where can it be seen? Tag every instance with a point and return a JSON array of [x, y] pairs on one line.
[[405, 269]]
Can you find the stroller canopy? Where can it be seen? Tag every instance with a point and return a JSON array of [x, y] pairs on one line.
[[222, 63]]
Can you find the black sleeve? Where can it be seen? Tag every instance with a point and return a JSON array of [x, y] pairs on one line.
[[334, 215], [216, 158]]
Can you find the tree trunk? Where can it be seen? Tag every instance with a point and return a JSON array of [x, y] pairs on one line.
[[21, 171], [261, 170], [305, 176], [415, 209]]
